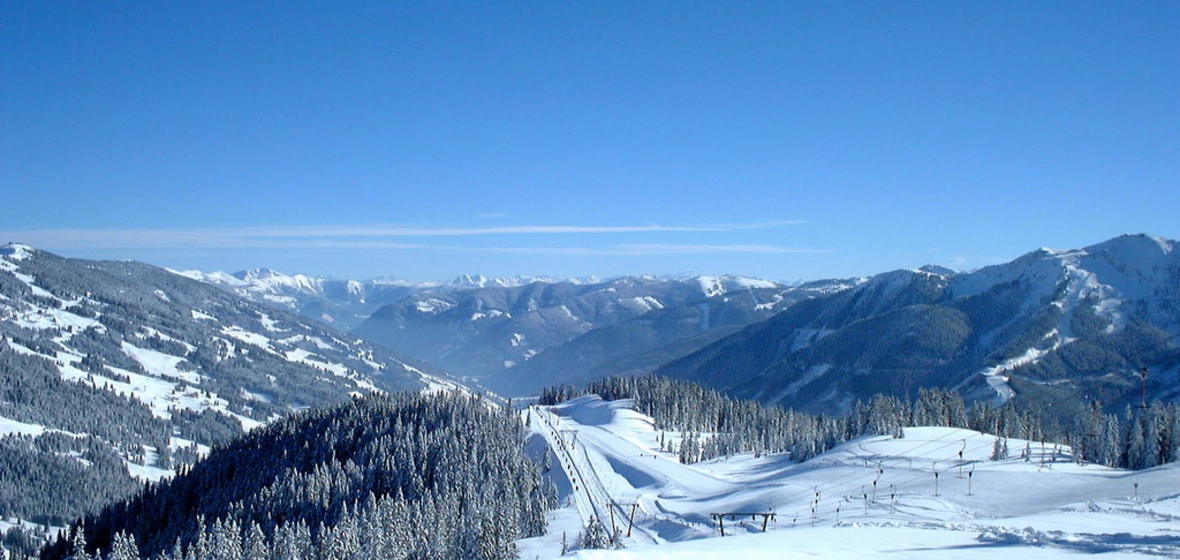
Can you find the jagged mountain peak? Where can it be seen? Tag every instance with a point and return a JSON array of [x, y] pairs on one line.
[[479, 281], [268, 276], [257, 274], [467, 281]]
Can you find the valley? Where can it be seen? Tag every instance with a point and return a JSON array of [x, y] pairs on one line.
[[119, 373]]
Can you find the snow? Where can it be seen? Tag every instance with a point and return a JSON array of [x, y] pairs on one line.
[[201, 315], [317, 341], [31, 282], [266, 280], [210, 277], [314, 360], [268, 323], [433, 306], [148, 473], [470, 281], [10, 427], [16, 251], [607, 457], [775, 300], [713, 286], [160, 364], [489, 314], [996, 379], [807, 337], [646, 303], [51, 318], [248, 337]]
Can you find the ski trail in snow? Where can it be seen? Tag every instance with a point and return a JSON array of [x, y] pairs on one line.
[[1044, 506], [582, 498], [590, 493]]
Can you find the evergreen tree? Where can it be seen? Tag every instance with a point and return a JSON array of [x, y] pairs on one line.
[[124, 548], [594, 536]]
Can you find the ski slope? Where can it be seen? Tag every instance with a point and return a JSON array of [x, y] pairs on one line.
[[874, 496]]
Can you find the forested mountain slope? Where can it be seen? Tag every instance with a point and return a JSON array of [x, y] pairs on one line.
[[1050, 326], [401, 476], [117, 371], [344, 304], [518, 339]]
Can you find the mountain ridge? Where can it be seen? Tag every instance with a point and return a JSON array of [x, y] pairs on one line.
[[135, 370], [1049, 317], [494, 334]]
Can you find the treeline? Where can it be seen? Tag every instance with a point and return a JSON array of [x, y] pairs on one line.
[[33, 391], [64, 375], [41, 474], [714, 425], [402, 476], [76, 466]]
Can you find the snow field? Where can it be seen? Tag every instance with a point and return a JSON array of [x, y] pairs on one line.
[[1043, 506]]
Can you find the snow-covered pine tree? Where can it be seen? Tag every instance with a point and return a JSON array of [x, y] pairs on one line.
[[594, 536], [124, 548]]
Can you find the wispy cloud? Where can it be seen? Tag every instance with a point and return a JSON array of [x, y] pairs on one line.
[[638, 250], [666, 249], [372, 237]]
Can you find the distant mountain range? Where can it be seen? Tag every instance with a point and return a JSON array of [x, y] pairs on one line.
[[1051, 327], [109, 364], [344, 304], [520, 334], [519, 339], [116, 373]]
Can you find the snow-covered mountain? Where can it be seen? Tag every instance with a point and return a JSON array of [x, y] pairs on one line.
[[130, 369], [1052, 325], [340, 303], [518, 339], [475, 281], [345, 304]]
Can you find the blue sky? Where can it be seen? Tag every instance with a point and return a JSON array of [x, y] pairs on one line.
[[786, 140]]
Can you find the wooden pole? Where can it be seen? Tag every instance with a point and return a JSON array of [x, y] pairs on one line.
[[613, 528], [631, 521]]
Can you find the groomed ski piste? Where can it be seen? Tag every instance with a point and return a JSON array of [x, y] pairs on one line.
[[1038, 503]]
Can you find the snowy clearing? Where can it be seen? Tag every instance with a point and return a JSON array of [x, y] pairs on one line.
[[874, 496]]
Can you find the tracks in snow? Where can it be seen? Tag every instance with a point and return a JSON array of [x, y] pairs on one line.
[[590, 494]]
